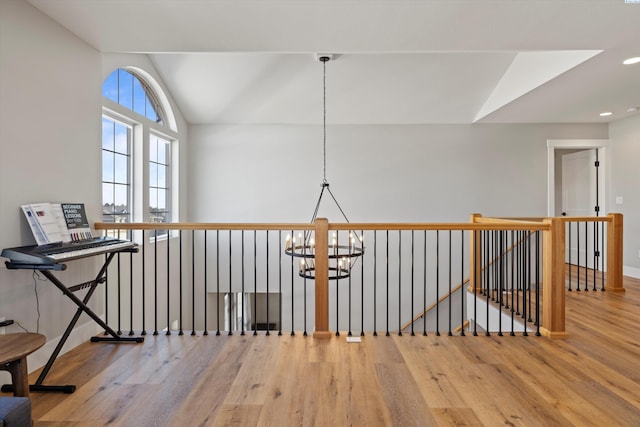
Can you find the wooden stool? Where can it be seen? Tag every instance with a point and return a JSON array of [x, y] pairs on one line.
[[14, 349]]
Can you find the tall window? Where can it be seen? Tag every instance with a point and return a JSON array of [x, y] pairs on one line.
[[159, 150], [137, 148], [116, 167]]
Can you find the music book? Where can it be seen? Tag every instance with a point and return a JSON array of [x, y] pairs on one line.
[[57, 222]]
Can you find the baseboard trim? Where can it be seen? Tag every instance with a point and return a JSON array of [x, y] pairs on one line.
[[631, 272]]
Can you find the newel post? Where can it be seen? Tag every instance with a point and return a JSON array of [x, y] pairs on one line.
[[322, 278], [614, 254], [475, 252], [553, 281]]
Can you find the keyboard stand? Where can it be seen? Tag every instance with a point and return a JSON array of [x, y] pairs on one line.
[[82, 308]]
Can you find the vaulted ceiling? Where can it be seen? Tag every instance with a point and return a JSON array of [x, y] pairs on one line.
[[394, 61]]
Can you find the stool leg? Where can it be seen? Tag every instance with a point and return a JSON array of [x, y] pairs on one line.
[[19, 377]]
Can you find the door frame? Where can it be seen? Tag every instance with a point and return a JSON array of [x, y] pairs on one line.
[[560, 144]]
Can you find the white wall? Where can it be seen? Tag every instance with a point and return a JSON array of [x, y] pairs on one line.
[[50, 106], [625, 182], [426, 173]]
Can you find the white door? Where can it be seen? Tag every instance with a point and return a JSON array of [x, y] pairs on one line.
[[579, 198]]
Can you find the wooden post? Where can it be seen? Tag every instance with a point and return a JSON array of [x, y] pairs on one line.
[[475, 252], [322, 279], [553, 282], [614, 254]]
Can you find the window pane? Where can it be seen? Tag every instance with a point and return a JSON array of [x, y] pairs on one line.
[[121, 194], [125, 92], [108, 161], [151, 112], [110, 87], [121, 169], [121, 138], [153, 174], [107, 197], [163, 148], [153, 199], [139, 97], [162, 176], [162, 200], [153, 148], [107, 134]]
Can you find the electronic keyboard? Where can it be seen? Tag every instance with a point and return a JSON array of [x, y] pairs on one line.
[[56, 253]]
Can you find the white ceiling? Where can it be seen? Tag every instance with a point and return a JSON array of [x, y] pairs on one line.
[[396, 61]]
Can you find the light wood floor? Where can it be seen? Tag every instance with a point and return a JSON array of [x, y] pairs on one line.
[[591, 378]]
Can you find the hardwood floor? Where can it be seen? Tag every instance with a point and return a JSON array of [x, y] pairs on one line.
[[590, 379]]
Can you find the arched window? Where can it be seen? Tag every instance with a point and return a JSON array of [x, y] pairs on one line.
[[139, 140], [130, 91]]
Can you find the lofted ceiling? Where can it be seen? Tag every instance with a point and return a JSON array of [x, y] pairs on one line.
[[395, 61]]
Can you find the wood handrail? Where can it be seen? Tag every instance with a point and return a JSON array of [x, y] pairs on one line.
[[309, 226], [201, 226]]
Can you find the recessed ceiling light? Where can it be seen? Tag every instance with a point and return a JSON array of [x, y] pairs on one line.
[[633, 109], [606, 113], [631, 61]]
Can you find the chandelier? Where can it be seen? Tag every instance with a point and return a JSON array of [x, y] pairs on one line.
[[342, 256]]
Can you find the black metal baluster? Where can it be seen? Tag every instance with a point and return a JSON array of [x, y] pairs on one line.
[[267, 273], [515, 245], [255, 284], [375, 283], [304, 281], [242, 281], [387, 333], [180, 282], [155, 282], [193, 282], [106, 294], [537, 283], [206, 284], [280, 282], [527, 267], [595, 253], [131, 294], [462, 292], [337, 290], [569, 248], [477, 235], [586, 256], [604, 254], [217, 283], [399, 282], [424, 290], [230, 295], [362, 286], [578, 255], [500, 266], [168, 287], [437, 283], [489, 251], [519, 279], [119, 331], [530, 282], [144, 285], [293, 248], [450, 333], [349, 286], [412, 277]]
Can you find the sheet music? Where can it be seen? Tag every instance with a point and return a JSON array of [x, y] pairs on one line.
[[54, 222]]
